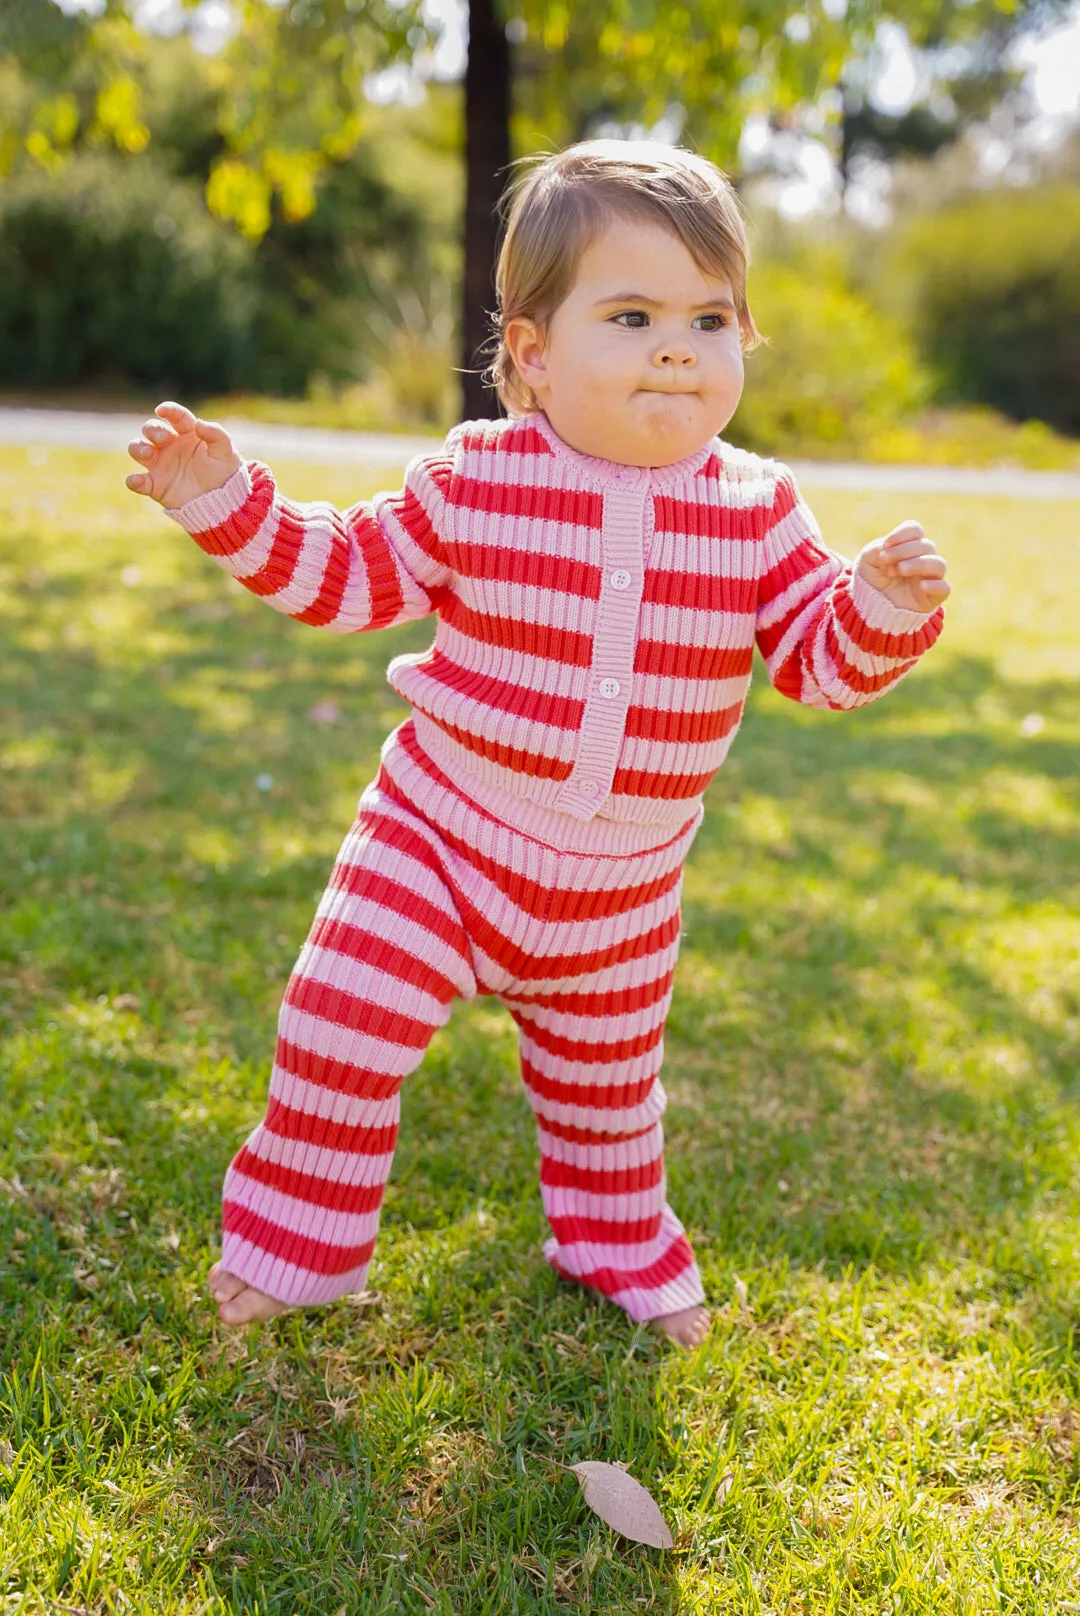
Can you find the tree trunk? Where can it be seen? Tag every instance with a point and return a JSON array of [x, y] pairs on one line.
[[487, 155]]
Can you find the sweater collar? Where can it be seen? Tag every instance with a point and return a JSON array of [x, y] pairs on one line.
[[610, 473]]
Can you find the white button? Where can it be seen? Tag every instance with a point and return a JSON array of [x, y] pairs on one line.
[[620, 579], [609, 687], [627, 474], [589, 788]]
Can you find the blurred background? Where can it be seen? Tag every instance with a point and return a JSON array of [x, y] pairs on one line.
[[285, 208]]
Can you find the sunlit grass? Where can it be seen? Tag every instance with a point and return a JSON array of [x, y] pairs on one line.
[[873, 1067]]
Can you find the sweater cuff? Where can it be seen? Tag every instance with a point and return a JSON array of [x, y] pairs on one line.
[[210, 510], [877, 610]]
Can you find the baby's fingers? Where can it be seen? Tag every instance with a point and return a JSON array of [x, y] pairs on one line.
[[924, 566], [177, 415], [139, 449], [218, 442], [140, 483]]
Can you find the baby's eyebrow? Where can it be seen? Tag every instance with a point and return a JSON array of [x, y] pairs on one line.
[[721, 301]]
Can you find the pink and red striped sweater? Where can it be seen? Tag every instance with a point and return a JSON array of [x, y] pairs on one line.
[[596, 622]]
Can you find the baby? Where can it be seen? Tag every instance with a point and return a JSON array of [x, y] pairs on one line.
[[600, 564]]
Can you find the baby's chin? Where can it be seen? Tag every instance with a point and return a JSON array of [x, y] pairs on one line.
[[675, 423]]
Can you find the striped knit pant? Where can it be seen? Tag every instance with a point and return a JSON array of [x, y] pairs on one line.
[[581, 949]]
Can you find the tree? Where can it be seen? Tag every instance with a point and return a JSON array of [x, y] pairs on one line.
[[294, 102]]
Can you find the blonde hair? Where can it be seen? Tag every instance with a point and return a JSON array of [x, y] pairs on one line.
[[556, 208]]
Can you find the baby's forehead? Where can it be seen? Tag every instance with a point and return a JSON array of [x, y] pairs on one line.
[[644, 259]]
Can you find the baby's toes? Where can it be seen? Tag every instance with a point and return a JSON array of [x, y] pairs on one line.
[[223, 1285], [250, 1307]]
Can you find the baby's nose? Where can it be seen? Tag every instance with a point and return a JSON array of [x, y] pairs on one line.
[[676, 353]]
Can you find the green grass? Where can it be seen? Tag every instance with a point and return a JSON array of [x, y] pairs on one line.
[[873, 1068]]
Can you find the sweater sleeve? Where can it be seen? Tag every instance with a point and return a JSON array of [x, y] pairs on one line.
[[379, 562], [829, 639]]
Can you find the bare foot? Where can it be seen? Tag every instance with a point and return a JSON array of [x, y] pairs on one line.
[[687, 1328], [239, 1303]]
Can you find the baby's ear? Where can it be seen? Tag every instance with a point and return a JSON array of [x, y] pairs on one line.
[[527, 347]]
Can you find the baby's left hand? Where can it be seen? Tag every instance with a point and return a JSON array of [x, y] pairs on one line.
[[905, 566]]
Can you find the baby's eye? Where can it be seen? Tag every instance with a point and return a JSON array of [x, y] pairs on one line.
[[633, 314], [719, 321]]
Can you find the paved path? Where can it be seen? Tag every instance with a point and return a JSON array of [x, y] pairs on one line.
[[72, 429]]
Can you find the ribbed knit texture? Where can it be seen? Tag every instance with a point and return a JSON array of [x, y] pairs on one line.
[[580, 947], [596, 622], [526, 835]]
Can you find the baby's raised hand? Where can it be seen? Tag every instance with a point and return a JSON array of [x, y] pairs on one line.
[[181, 457], [906, 566]]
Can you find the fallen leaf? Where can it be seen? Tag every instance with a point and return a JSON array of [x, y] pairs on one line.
[[623, 1503], [126, 1001], [742, 1296]]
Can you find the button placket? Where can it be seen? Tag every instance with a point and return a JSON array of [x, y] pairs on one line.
[[603, 722]]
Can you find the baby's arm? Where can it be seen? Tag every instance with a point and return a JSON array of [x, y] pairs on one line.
[[837, 634], [379, 562]]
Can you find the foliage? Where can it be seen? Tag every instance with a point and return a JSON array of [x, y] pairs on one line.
[[110, 269], [634, 61], [992, 287], [834, 370], [872, 1063], [304, 299]]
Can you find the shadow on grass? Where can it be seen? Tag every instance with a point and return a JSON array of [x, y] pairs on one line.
[[155, 898]]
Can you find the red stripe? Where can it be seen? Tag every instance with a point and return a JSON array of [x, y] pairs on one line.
[[675, 1261], [799, 566], [531, 568], [574, 1134], [379, 954], [502, 695], [551, 904], [333, 1195], [875, 641], [581, 1049], [317, 1256], [277, 571], [526, 966], [695, 661], [602, 1180], [515, 438], [364, 882], [533, 764], [386, 782], [785, 499], [383, 574], [684, 729], [239, 529], [660, 786], [613, 1002], [516, 634], [305, 1128], [409, 510], [577, 507], [700, 591], [606, 1231], [357, 1014], [597, 1096], [701, 519], [336, 1076], [865, 684]]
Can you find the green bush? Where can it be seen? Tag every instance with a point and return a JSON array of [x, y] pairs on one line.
[[112, 269], [993, 288], [834, 370]]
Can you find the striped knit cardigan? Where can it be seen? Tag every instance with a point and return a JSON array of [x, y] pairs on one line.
[[596, 622]]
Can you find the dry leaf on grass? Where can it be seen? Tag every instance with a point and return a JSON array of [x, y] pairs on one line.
[[623, 1503]]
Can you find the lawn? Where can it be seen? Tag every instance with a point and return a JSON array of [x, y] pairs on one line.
[[873, 1132]]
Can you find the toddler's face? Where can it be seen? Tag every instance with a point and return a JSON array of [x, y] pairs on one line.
[[642, 363]]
